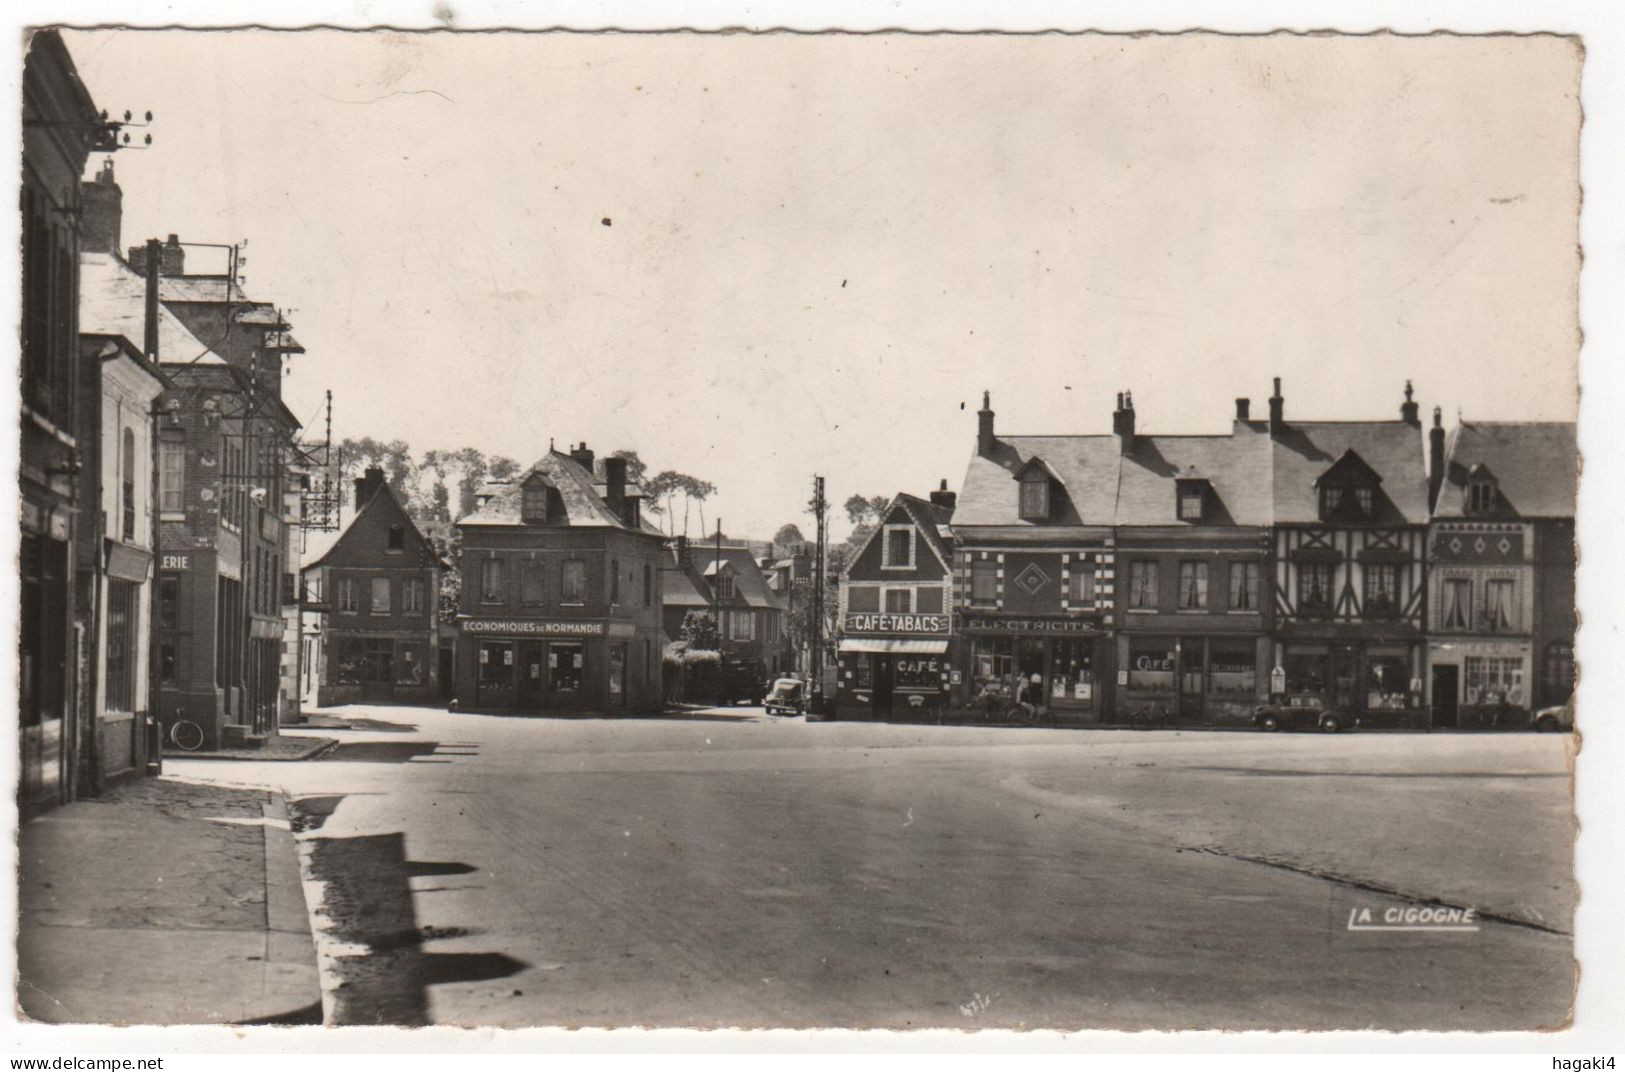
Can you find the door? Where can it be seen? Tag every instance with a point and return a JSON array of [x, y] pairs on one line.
[[1032, 667], [1446, 696], [448, 671], [1192, 679], [532, 683], [885, 682], [1346, 692], [617, 677]]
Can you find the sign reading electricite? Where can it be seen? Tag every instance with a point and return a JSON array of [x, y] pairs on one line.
[[869, 622], [977, 624], [532, 627]]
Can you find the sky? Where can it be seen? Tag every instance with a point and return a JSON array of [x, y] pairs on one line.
[[757, 258]]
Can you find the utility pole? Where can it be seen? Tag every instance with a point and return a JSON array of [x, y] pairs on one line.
[[820, 508]]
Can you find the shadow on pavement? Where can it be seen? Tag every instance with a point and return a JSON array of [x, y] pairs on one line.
[[368, 901], [390, 752]]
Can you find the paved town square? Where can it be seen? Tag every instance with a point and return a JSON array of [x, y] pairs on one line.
[[727, 868]]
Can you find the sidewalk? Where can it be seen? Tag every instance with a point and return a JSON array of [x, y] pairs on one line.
[[165, 902], [283, 747]]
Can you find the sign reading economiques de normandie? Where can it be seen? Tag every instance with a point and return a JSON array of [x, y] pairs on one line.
[[870, 622], [532, 627]]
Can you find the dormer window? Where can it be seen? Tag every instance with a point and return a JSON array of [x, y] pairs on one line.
[[1348, 490], [533, 502], [1035, 498], [725, 585], [1481, 491], [1192, 498]]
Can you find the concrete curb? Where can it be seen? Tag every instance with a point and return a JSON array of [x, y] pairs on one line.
[[292, 977], [320, 746]]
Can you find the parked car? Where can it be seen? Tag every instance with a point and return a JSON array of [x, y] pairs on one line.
[[788, 696], [1559, 719], [1302, 711]]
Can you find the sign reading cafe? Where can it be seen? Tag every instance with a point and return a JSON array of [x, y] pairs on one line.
[[869, 622]]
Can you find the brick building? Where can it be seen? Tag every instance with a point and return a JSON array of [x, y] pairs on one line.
[[729, 585], [377, 589], [561, 593], [1502, 560]]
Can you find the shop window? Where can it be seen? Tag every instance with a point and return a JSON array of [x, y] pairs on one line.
[[1193, 586], [496, 664], [1455, 603], [566, 665], [984, 581], [1072, 670], [1315, 587], [347, 595], [899, 548], [1500, 606], [899, 601], [1244, 586], [1081, 586], [993, 666], [1035, 504], [573, 581], [1151, 663], [1232, 668], [491, 581], [1388, 677], [863, 599], [928, 600], [380, 596], [918, 672], [1381, 590], [1142, 584], [411, 663], [864, 670], [123, 597], [1306, 669], [1491, 680], [533, 581]]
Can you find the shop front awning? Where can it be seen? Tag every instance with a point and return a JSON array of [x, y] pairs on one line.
[[895, 645]]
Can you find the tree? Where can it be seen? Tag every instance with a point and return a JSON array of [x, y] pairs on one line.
[[503, 468], [699, 631], [788, 536], [635, 466], [860, 510], [665, 488]]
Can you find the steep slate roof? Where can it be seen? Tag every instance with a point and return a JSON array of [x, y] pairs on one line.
[[930, 519], [1086, 466], [1256, 480], [1306, 449], [317, 550], [1535, 465], [201, 289], [113, 301], [583, 508], [679, 589], [750, 583]]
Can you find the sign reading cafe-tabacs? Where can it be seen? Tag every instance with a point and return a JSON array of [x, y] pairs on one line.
[[871, 622]]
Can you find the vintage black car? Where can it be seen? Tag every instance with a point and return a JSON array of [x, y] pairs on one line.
[[1302, 711], [788, 696]]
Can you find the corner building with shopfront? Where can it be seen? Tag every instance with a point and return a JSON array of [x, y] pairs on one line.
[[560, 602]]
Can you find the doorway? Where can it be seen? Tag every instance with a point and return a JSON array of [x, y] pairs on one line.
[[885, 683], [1446, 696], [531, 683]]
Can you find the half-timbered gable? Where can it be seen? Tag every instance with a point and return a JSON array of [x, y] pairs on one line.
[[1349, 585]]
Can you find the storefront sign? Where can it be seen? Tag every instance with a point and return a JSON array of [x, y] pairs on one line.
[[176, 562], [980, 624], [1278, 679], [863, 622], [524, 627]]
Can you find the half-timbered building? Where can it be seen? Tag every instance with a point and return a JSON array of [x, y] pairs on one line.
[[1349, 513]]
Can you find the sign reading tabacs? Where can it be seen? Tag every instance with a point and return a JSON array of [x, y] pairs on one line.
[[869, 622]]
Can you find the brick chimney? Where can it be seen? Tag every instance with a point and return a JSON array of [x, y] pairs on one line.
[[1277, 410], [103, 217], [171, 258], [1244, 407], [944, 498], [582, 456], [1408, 410], [1123, 421], [984, 427], [367, 485], [685, 556], [624, 506], [1435, 458]]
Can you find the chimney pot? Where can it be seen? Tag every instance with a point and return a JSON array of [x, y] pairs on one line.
[[103, 212], [984, 427], [943, 497], [1277, 410], [1409, 411], [1243, 408]]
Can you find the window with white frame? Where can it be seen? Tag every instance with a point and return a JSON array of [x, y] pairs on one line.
[[380, 596], [898, 552], [1142, 584], [1192, 585], [1500, 605], [1035, 497], [347, 595], [1081, 586], [172, 476], [984, 581], [1244, 586], [742, 625]]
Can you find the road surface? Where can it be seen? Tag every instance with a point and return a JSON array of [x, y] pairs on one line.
[[732, 870]]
